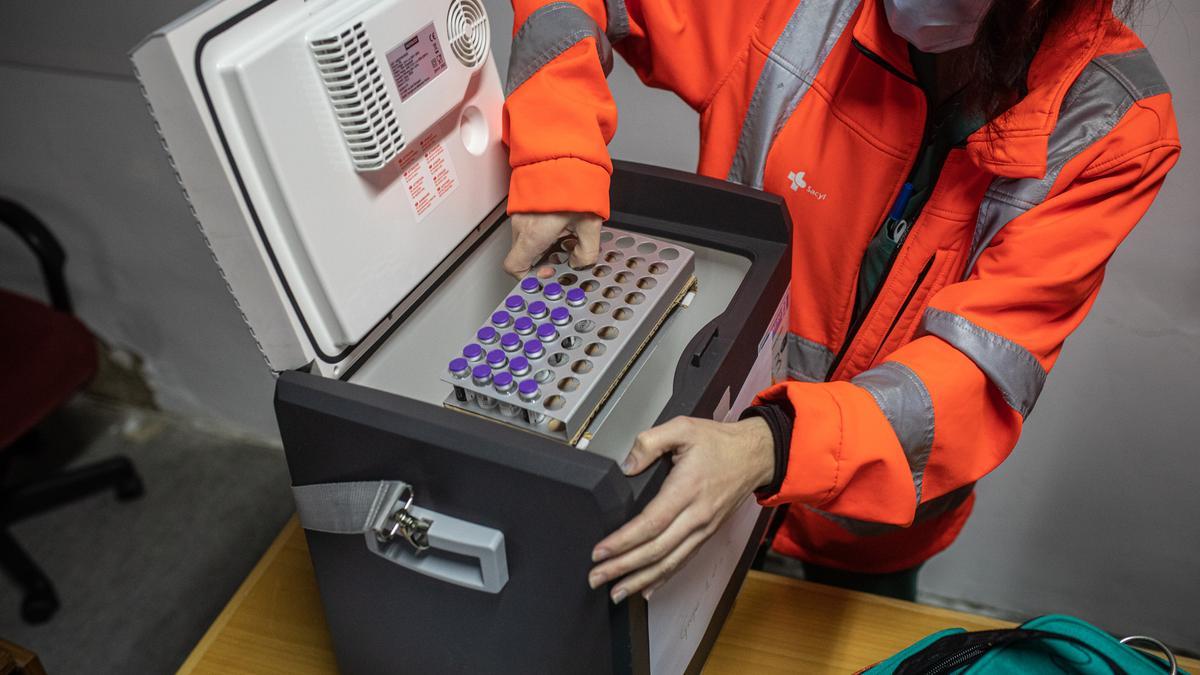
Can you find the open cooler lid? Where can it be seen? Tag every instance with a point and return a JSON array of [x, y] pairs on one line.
[[335, 152]]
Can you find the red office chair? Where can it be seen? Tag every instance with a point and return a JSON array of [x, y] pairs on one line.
[[46, 356]]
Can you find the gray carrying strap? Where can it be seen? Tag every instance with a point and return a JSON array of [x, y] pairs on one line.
[[427, 542]]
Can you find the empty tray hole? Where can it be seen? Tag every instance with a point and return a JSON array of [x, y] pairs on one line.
[[555, 402], [646, 247], [568, 244], [599, 307], [658, 268], [634, 262], [608, 332], [623, 277], [568, 384], [622, 314], [590, 285], [613, 256], [635, 298], [544, 375], [611, 292], [581, 366], [668, 253], [571, 342], [606, 236], [558, 359], [585, 326], [594, 349], [570, 279], [646, 283], [624, 242], [601, 271], [557, 258]]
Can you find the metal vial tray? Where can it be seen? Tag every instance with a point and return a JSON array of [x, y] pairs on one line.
[[615, 307]]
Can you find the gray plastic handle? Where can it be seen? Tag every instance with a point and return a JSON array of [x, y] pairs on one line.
[[476, 557]]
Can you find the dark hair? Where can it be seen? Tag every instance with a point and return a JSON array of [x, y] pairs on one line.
[[994, 67]]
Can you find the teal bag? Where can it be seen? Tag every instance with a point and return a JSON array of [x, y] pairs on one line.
[[1051, 644]]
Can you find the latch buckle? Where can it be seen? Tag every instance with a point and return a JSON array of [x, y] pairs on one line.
[[403, 523]]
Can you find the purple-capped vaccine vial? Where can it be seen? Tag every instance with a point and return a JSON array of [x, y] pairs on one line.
[[560, 316], [514, 303], [538, 309], [473, 352], [547, 332], [528, 390], [519, 365], [531, 285], [496, 359], [460, 368], [503, 382], [576, 297], [534, 350], [523, 325], [487, 335], [553, 291], [501, 319], [510, 342], [481, 375]]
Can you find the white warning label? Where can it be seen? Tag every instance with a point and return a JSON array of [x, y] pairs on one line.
[[429, 177]]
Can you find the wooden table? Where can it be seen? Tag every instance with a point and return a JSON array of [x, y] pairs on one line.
[[274, 624]]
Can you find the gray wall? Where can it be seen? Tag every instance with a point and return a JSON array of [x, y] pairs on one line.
[[1096, 514], [77, 146]]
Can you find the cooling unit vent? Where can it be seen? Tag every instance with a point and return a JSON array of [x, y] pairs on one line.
[[350, 71], [467, 28]]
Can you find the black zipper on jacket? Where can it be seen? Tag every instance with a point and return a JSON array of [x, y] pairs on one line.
[[883, 62], [857, 323], [912, 293]]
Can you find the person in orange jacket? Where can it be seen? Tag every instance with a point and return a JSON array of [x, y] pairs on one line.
[[958, 175]]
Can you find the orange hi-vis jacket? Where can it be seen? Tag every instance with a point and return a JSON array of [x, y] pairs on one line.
[[897, 417]]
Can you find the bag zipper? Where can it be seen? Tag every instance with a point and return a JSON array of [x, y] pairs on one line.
[[852, 332], [957, 659]]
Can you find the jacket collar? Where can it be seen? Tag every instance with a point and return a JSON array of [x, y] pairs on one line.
[[1016, 145]]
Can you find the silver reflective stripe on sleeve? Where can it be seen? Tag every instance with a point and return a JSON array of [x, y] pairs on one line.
[[1096, 102], [791, 67], [807, 361], [548, 32], [927, 511], [618, 20], [1010, 367], [906, 404]]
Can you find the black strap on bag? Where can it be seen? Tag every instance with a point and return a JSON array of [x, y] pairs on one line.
[[963, 649]]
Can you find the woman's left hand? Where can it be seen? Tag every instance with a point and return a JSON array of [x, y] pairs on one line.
[[716, 466]]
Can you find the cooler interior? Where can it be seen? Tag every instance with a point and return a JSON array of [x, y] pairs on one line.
[[411, 360]]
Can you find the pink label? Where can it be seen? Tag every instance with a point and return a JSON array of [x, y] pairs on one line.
[[429, 177]]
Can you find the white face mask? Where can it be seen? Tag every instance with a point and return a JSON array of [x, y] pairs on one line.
[[937, 26]]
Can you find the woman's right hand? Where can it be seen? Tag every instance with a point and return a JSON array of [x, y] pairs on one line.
[[534, 233]]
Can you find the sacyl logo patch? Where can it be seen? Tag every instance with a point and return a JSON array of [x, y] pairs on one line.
[[797, 180], [798, 183]]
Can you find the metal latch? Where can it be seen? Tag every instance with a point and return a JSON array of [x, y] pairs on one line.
[[402, 523]]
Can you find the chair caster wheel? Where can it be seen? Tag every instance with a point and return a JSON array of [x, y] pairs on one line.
[[130, 488], [38, 606]]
